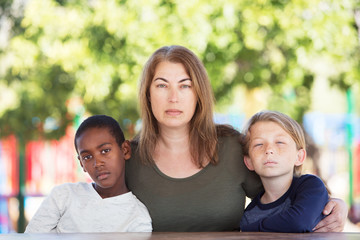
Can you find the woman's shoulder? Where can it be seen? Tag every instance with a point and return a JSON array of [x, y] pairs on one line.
[[226, 130], [134, 160], [135, 140], [229, 142], [228, 135], [134, 143]]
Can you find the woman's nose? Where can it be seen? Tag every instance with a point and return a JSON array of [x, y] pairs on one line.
[[173, 95]]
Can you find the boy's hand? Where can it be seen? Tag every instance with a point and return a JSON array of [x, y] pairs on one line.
[[336, 211]]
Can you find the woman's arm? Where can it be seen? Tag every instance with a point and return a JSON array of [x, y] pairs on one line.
[[337, 211]]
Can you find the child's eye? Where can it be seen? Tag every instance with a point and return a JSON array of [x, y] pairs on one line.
[[258, 145], [104, 151], [86, 157]]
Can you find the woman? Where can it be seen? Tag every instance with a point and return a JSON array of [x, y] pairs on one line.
[[187, 171]]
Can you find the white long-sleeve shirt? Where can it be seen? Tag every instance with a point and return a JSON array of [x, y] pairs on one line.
[[77, 207]]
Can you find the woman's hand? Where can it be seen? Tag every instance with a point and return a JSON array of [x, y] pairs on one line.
[[336, 211]]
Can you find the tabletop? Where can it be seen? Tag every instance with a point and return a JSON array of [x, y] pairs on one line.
[[181, 235]]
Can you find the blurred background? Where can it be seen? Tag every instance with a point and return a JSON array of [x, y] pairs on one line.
[[61, 61]]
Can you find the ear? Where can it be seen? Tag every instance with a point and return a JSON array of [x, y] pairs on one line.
[[126, 148], [82, 166], [248, 163], [300, 158]]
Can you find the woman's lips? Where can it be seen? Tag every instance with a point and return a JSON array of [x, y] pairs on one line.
[[173, 112]]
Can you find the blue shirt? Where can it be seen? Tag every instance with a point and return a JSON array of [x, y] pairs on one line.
[[298, 210]]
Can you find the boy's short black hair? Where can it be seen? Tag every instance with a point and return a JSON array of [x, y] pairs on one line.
[[101, 121]]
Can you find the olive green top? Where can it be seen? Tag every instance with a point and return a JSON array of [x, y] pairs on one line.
[[210, 200]]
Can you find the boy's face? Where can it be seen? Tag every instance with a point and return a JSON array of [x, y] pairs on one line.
[[103, 159], [272, 151]]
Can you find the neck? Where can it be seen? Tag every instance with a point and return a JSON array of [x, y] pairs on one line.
[[110, 192], [172, 153], [275, 187], [173, 138]]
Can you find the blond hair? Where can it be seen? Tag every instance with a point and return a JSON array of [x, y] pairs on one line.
[[203, 138], [292, 127]]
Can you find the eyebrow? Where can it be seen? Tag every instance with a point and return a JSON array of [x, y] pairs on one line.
[[100, 146], [163, 79], [276, 136]]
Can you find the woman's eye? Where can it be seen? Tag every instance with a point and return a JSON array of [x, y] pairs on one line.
[[185, 86], [161, 86]]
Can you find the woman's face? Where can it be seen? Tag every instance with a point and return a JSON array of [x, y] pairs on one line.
[[172, 96]]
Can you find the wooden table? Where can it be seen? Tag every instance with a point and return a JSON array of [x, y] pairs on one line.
[[182, 235]]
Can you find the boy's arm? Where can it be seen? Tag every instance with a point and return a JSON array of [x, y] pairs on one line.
[[303, 214], [46, 217]]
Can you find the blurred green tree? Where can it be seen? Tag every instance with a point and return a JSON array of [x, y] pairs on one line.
[[93, 51], [282, 46]]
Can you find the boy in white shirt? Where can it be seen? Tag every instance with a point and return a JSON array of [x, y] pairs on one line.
[[106, 205]]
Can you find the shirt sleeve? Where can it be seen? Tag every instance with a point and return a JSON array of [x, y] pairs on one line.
[[143, 225], [304, 213], [47, 216]]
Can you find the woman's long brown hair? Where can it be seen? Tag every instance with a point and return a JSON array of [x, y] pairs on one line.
[[202, 133]]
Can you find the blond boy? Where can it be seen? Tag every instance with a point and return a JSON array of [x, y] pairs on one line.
[[274, 147]]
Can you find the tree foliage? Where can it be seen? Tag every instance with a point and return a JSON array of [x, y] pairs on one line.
[[65, 57]]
